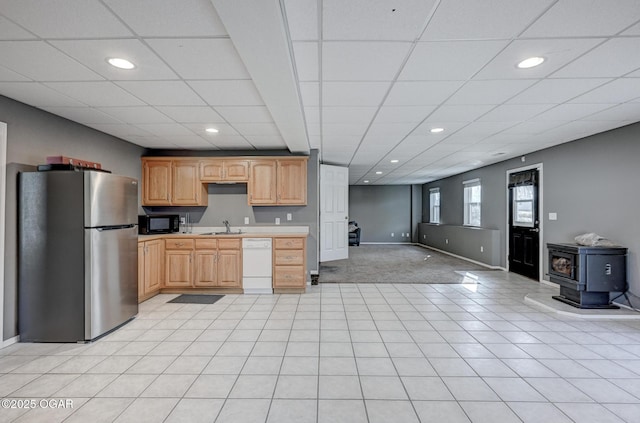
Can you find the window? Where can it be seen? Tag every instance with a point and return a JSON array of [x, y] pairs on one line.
[[434, 205], [523, 206], [472, 202]]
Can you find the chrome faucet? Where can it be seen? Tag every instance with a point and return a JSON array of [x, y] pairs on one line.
[[226, 223]]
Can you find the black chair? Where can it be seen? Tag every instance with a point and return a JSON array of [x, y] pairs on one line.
[[354, 233]]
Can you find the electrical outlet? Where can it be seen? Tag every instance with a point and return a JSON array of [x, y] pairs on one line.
[[182, 220], [392, 234], [424, 237], [289, 217], [481, 249], [446, 241], [277, 220], [246, 220]]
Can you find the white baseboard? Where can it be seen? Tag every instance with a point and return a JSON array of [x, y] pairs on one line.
[[461, 257], [10, 341], [391, 243]]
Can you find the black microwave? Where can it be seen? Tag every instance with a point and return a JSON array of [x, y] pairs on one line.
[[158, 223]]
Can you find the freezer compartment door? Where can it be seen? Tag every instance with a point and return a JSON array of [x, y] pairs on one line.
[[109, 200], [111, 279]]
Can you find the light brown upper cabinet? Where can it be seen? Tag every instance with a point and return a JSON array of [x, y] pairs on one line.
[[278, 182], [172, 182], [224, 170]]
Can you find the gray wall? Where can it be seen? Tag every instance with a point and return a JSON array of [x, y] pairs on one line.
[[381, 210], [229, 202], [416, 211], [590, 183], [32, 135]]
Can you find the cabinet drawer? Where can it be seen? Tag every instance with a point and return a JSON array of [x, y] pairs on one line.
[[206, 244], [289, 257], [282, 243], [289, 276], [229, 244], [179, 244]]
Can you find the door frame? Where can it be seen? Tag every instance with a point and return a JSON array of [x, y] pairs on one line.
[[3, 204], [538, 167]]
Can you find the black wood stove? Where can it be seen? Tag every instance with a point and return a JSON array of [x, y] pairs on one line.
[[587, 275]]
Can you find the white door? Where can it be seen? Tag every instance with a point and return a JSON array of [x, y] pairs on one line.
[[334, 213]]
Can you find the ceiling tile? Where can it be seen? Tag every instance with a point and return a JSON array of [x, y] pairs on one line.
[[224, 130], [567, 112], [228, 92], [353, 93], [514, 112], [193, 114], [634, 30], [449, 128], [82, 115], [471, 19], [466, 113], [310, 93], [96, 94], [478, 130], [623, 112], [190, 142], [232, 142], [394, 132], [266, 141], [611, 59], [569, 18], [312, 115], [163, 93], [356, 129], [554, 91], [374, 19], [124, 131], [254, 114], [7, 75], [348, 114], [362, 61], [617, 91], [421, 93], [65, 18], [135, 115], [266, 129], [166, 18], [201, 58], [489, 92], [302, 18], [94, 54], [306, 59], [557, 52], [11, 31], [449, 60], [165, 130], [36, 95], [39, 61], [400, 114]]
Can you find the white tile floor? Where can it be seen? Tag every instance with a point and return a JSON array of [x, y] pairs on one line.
[[341, 353]]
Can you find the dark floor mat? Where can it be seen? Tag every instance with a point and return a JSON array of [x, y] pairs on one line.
[[196, 299]]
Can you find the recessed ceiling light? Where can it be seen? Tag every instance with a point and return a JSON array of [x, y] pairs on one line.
[[366, 182], [394, 161], [212, 130], [120, 63], [436, 130], [378, 173], [531, 62]]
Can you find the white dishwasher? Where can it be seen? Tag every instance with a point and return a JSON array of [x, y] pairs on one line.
[[257, 266]]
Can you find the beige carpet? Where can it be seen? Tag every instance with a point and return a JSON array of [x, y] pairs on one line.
[[395, 264]]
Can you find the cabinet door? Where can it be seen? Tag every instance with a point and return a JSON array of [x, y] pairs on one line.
[[236, 170], [229, 275], [141, 269], [262, 182], [206, 268], [187, 188], [292, 182], [154, 265], [211, 170], [156, 181], [179, 268]]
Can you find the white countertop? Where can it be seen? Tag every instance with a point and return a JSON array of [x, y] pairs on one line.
[[274, 229]]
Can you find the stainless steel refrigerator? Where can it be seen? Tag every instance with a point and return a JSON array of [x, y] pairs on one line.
[[77, 246]]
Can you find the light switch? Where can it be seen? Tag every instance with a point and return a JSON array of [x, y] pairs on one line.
[[553, 216], [277, 220], [289, 216], [246, 220]]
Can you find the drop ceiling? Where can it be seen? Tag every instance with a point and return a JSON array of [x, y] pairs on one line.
[[362, 81]]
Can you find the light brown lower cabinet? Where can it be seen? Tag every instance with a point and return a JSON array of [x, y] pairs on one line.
[[289, 258], [203, 263], [150, 268]]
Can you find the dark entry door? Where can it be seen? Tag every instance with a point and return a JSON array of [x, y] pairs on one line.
[[524, 224]]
